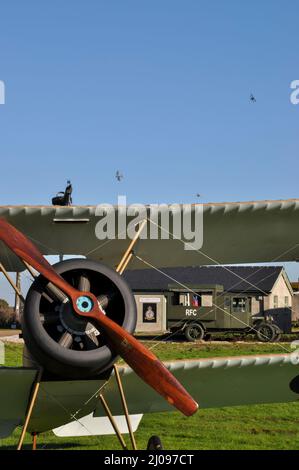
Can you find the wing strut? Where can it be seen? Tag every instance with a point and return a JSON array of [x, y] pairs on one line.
[[32, 401], [125, 406]]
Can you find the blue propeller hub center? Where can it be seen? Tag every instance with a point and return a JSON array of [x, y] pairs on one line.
[[84, 304]]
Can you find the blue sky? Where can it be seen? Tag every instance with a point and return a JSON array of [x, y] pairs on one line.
[[157, 89]]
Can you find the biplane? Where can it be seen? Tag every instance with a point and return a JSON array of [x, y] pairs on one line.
[[79, 317]]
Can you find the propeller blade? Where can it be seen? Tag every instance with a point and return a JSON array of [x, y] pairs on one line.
[[28, 252], [138, 357], [145, 364]]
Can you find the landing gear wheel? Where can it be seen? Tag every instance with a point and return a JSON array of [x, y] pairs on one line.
[[154, 443], [194, 332], [61, 341], [266, 332]]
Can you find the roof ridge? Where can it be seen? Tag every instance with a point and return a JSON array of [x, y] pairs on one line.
[[250, 278]]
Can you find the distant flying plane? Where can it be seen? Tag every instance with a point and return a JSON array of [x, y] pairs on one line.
[[119, 176], [252, 98]]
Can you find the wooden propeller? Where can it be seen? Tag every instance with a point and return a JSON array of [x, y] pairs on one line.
[[85, 304]]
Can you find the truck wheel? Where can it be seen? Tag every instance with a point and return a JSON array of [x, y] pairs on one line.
[[266, 332], [194, 331]]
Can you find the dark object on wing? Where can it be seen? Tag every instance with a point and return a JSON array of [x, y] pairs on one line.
[[64, 198]]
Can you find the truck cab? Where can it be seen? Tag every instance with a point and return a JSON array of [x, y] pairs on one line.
[[198, 310]]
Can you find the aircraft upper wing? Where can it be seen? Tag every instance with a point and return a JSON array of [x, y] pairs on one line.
[[241, 232]]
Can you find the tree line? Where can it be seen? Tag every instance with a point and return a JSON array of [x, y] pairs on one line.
[[7, 314]]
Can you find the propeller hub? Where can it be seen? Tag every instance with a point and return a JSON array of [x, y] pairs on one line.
[[84, 304]]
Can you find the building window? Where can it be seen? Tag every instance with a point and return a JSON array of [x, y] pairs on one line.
[[286, 301], [239, 304], [275, 301]]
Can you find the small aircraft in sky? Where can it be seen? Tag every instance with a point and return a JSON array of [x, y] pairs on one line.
[[118, 175], [252, 98]]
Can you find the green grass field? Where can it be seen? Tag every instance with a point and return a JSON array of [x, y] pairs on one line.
[[254, 427]]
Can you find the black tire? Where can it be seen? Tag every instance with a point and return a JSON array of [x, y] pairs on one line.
[[41, 339], [266, 332], [154, 443], [194, 332]]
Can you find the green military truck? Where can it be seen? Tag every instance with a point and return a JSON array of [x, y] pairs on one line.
[[200, 311]]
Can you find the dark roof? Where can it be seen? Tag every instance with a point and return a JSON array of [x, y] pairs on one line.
[[253, 279]]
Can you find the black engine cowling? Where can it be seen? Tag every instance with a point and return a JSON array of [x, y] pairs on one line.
[[57, 338]]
